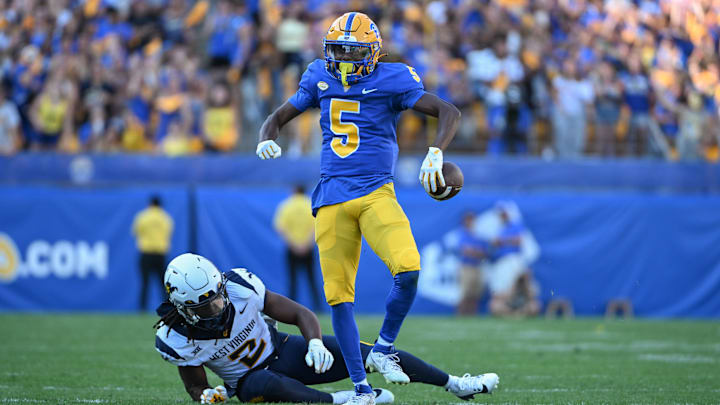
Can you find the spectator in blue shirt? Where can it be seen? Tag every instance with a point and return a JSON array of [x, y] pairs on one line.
[[472, 252], [224, 29], [112, 24], [512, 288], [510, 237], [636, 92]]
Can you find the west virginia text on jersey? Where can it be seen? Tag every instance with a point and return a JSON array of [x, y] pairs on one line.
[[359, 126], [248, 343]]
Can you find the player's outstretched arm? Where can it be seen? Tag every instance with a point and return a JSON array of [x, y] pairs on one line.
[[447, 114], [196, 384], [270, 130], [285, 310], [448, 120]]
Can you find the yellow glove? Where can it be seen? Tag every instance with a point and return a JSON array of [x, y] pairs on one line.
[[213, 395]]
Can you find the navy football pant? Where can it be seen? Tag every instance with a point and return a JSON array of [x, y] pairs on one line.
[[287, 376]]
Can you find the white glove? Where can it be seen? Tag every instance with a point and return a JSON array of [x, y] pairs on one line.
[[213, 395], [319, 356], [431, 170], [268, 150]]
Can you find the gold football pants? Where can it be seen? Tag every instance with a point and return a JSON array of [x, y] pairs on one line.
[[339, 229]]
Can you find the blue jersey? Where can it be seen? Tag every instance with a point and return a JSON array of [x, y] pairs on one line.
[[358, 124], [471, 241], [509, 231]]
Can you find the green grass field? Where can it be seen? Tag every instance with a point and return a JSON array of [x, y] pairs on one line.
[[58, 359]]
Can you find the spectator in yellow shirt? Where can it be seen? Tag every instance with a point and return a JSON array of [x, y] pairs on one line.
[[296, 225], [152, 228]]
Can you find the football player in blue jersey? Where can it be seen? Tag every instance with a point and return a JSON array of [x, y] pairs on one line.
[[217, 321], [360, 100]]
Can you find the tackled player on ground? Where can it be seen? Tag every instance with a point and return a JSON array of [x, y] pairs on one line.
[[218, 320]]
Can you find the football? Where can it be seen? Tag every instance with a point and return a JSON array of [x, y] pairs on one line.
[[453, 182]]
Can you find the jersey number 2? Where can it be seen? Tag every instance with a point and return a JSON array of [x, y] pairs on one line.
[[347, 135], [251, 357]]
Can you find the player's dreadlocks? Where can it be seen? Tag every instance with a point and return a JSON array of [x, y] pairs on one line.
[[172, 318]]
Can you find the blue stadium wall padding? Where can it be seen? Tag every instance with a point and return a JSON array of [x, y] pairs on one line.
[[498, 173], [655, 250], [658, 250], [73, 248]]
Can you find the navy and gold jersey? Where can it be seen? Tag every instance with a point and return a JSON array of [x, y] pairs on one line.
[[247, 344], [358, 124]]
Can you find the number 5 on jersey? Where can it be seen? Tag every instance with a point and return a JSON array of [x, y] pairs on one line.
[[347, 135], [414, 73]]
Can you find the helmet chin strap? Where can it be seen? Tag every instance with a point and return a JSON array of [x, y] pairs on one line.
[[345, 68]]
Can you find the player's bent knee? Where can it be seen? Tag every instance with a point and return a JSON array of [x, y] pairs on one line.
[[338, 289], [256, 386], [335, 300], [337, 294], [278, 389], [271, 386], [406, 261], [338, 286], [407, 279]]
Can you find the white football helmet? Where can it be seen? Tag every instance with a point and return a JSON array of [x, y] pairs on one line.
[[196, 288]]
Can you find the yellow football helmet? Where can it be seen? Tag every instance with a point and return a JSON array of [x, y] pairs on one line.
[[352, 47]]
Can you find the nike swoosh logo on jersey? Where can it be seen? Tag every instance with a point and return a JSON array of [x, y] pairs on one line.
[[364, 91], [243, 310]]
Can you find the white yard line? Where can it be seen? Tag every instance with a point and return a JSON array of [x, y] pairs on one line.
[[537, 390], [636, 347], [550, 377], [106, 388], [676, 358], [42, 401]]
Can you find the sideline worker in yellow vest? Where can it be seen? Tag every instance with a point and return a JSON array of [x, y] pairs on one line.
[[296, 225], [153, 230]]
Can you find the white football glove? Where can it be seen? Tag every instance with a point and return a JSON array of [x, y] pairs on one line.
[[319, 356], [268, 150], [213, 395], [431, 170]]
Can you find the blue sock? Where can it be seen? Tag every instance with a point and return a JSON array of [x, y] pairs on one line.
[[348, 338], [397, 306], [363, 389]]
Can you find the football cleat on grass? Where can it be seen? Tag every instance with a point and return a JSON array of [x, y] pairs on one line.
[[388, 365], [467, 386], [382, 396], [362, 399]]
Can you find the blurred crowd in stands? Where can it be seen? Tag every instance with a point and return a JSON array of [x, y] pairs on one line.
[[556, 78]]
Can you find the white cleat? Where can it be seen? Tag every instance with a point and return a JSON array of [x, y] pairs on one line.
[[467, 386], [362, 399], [388, 365], [382, 396]]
